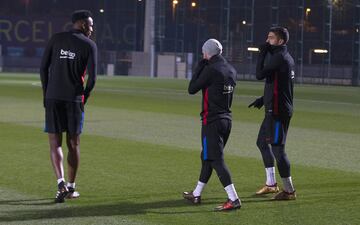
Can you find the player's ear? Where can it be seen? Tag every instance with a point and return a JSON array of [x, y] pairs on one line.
[[281, 41], [83, 25]]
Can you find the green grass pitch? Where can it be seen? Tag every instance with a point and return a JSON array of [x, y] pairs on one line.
[[140, 150]]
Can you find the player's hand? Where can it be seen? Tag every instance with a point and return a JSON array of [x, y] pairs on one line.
[[258, 103], [86, 96], [203, 62], [264, 47], [200, 66]]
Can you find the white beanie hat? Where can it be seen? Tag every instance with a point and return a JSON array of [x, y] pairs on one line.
[[212, 47]]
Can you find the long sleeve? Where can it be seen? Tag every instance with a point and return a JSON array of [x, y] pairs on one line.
[[195, 82], [92, 70], [200, 80], [263, 71], [45, 65]]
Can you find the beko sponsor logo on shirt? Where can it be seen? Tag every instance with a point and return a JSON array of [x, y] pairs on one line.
[[228, 89], [67, 54], [292, 74]]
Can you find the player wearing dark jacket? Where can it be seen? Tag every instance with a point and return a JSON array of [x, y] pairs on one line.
[[276, 66], [71, 54], [279, 75], [216, 78], [217, 84], [66, 59]]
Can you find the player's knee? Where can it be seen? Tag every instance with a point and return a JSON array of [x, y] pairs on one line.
[[220, 167], [73, 145], [280, 156], [278, 150], [261, 144], [222, 172]]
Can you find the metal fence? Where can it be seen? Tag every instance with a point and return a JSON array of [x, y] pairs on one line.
[[324, 34]]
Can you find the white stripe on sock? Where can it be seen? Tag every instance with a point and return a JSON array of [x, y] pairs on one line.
[[72, 185], [288, 185], [231, 192], [199, 188], [270, 176], [60, 180]]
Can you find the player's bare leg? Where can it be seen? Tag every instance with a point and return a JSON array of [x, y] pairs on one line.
[[56, 155], [73, 159]]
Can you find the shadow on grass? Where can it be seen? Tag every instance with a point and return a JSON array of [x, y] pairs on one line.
[[41, 201], [121, 208], [113, 209]]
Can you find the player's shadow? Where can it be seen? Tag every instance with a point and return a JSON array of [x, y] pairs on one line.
[[113, 209], [39, 202], [121, 208]]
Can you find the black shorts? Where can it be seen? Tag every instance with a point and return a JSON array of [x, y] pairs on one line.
[[274, 129], [214, 136], [63, 116]]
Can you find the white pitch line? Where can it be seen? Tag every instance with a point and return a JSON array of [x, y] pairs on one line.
[[169, 91], [36, 84], [178, 92]]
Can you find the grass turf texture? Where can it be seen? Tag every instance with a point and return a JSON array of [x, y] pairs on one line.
[[140, 150]]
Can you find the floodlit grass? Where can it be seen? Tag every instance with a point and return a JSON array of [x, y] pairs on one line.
[[140, 150]]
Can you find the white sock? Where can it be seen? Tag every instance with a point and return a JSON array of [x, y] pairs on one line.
[[199, 188], [60, 180], [270, 176], [231, 192], [72, 185], [288, 185]]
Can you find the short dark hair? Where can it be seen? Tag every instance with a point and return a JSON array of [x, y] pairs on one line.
[[80, 15], [281, 32]]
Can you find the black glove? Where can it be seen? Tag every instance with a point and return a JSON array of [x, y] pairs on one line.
[[86, 96], [200, 66], [203, 62], [264, 48], [258, 103]]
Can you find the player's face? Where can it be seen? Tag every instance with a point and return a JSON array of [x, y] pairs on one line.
[[206, 56], [272, 39], [88, 26]]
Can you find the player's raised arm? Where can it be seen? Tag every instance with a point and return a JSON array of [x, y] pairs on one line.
[[200, 79]]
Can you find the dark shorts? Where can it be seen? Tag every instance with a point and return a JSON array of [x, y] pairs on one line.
[[63, 116], [274, 130], [214, 136]]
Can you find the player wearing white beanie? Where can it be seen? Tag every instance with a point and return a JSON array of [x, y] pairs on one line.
[[212, 47]]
